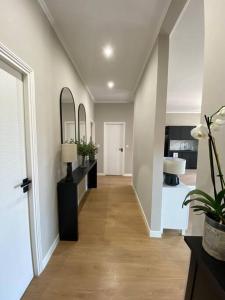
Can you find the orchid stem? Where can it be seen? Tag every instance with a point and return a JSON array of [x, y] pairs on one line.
[[211, 157]]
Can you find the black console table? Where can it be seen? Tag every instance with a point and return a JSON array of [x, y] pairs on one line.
[[206, 278], [68, 200]]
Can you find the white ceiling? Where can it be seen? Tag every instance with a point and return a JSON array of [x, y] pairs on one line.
[[130, 26], [186, 61]]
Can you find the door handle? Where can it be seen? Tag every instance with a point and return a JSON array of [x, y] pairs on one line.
[[121, 149], [24, 185]]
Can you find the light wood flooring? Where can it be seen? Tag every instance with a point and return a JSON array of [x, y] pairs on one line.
[[114, 258]]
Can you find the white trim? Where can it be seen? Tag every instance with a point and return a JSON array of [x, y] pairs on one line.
[[101, 174], [142, 210], [149, 53], [183, 112], [59, 35], [14, 61], [128, 174], [104, 147], [179, 18], [114, 101], [50, 252], [151, 233], [155, 234]]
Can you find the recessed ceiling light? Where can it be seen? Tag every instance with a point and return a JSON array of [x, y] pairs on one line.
[[108, 51], [110, 84]]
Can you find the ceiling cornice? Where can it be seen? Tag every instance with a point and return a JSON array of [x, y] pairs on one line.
[[173, 13], [113, 101], [157, 31], [183, 112], [59, 36]]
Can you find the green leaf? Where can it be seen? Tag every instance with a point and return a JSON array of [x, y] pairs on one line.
[[202, 200], [220, 196], [199, 192], [202, 208]]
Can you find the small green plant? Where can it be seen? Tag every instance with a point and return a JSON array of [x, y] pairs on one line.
[[213, 207], [92, 150], [82, 148]]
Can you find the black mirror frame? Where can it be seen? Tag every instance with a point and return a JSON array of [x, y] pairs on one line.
[[79, 107], [60, 105]]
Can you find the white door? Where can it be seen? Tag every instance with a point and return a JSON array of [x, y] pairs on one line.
[[114, 140], [69, 130], [16, 269]]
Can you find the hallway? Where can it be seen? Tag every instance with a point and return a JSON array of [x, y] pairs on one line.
[[114, 258]]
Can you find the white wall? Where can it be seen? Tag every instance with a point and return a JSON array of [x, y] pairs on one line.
[[122, 112], [213, 90], [25, 30], [182, 119], [186, 60], [149, 126]]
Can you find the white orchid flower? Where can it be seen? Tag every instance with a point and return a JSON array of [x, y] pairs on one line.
[[219, 122], [200, 132], [221, 113], [215, 127]]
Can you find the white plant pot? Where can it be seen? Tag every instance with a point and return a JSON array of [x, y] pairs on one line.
[[214, 239]]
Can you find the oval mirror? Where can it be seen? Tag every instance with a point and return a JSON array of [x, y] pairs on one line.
[[67, 116], [82, 131]]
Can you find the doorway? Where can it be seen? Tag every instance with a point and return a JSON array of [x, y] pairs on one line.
[[20, 237], [15, 244], [114, 146]]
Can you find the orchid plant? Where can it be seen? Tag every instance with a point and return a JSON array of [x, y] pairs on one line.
[[213, 207]]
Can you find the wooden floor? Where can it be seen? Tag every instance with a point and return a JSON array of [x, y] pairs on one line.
[[114, 258]]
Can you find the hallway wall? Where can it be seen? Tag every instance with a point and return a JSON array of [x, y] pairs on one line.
[[25, 30], [149, 128], [114, 112], [213, 93], [182, 119]]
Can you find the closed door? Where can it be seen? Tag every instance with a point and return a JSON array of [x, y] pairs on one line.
[[69, 130], [114, 139], [16, 269]]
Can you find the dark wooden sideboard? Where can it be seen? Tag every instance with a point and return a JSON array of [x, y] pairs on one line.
[[206, 278], [68, 200]]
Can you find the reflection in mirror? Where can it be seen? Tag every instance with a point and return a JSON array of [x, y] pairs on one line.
[[92, 130], [67, 116], [82, 134]]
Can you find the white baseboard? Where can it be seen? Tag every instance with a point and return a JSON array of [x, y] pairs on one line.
[[101, 174], [128, 174], [155, 234], [47, 257], [151, 233], [142, 210]]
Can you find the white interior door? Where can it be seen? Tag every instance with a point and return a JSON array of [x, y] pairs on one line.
[[69, 130], [114, 140], [16, 269]]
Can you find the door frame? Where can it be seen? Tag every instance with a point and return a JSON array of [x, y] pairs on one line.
[[8, 57], [104, 145]]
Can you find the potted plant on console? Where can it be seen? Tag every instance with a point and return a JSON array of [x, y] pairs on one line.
[[92, 151], [212, 206], [83, 151]]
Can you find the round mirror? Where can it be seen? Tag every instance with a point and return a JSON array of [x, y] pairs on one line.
[[82, 133], [67, 116]]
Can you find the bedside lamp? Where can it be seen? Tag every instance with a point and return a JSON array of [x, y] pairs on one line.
[[171, 168], [69, 154]]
